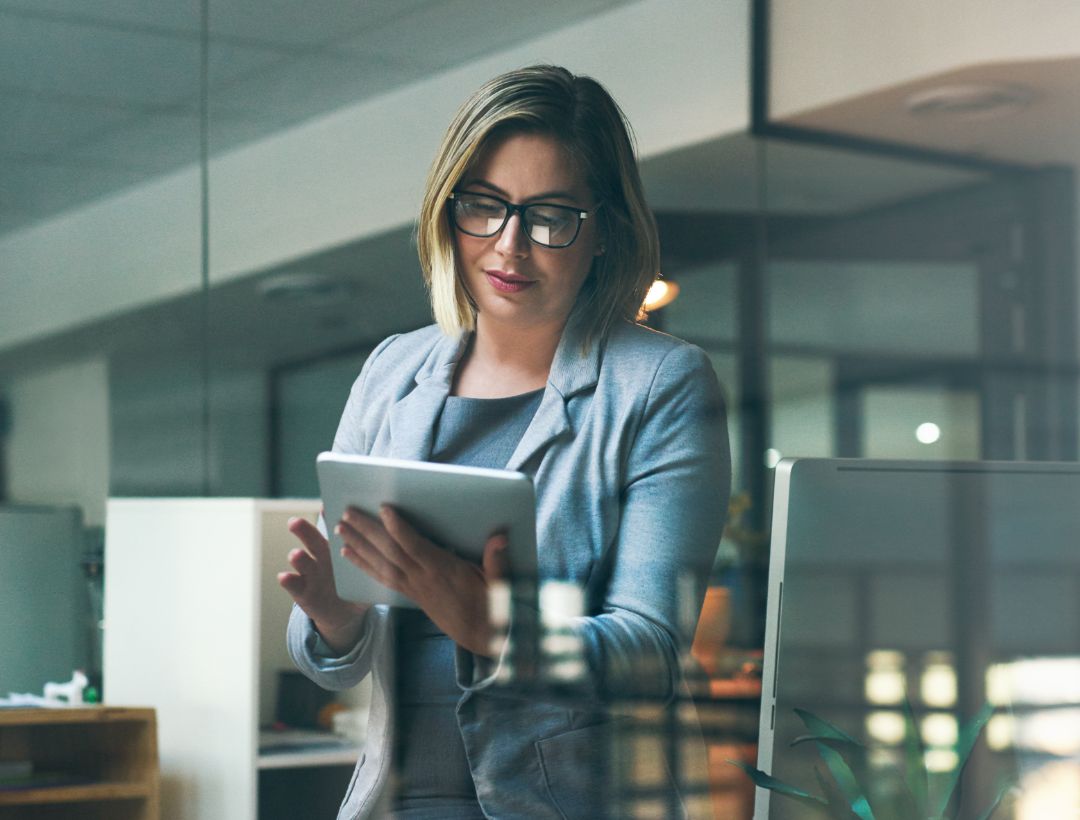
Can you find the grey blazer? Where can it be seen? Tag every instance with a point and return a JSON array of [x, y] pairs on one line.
[[629, 454]]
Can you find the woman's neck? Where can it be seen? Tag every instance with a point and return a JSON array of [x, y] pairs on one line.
[[504, 360]]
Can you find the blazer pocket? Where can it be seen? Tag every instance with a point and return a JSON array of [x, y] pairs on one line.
[[575, 767]]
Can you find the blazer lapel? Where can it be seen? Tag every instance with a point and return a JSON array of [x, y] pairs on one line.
[[412, 419], [571, 372]]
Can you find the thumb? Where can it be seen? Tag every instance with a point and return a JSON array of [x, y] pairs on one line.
[[494, 562]]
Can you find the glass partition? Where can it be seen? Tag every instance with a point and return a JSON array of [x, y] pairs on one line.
[[207, 216], [100, 385], [938, 310]]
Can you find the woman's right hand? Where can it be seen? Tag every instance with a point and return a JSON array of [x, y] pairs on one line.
[[312, 587]]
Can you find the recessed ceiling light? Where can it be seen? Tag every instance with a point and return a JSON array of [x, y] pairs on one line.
[[928, 432], [303, 288], [970, 101]]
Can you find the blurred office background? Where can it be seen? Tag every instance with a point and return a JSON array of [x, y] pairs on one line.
[[206, 218]]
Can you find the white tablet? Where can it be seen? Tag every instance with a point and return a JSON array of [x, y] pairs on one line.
[[459, 508]]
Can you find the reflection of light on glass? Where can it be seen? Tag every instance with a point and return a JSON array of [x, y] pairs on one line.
[[939, 730], [927, 432], [1052, 731], [884, 677], [1000, 731], [941, 760], [561, 601], [560, 604], [772, 458], [881, 758], [938, 685], [1049, 681], [886, 727], [499, 617], [1052, 790], [999, 684]]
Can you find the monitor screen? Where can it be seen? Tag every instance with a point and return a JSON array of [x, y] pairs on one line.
[[904, 599]]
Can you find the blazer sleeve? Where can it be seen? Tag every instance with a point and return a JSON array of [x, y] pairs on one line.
[[674, 503], [674, 499], [305, 645]]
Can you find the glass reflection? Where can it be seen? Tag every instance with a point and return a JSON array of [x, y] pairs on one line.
[[901, 586]]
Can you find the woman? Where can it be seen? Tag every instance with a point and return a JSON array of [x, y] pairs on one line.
[[537, 248]]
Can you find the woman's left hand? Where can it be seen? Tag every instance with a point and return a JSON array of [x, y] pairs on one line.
[[452, 592]]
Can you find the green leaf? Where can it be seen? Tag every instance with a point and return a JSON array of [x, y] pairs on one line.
[[915, 762], [1004, 790], [821, 730], [847, 781], [765, 781], [964, 744], [838, 804]]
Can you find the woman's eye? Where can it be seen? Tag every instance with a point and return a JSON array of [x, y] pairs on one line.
[[547, 219], [483, 208]]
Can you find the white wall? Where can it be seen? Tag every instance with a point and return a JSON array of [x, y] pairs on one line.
[[58, 451], [855, 47], [678, 67]]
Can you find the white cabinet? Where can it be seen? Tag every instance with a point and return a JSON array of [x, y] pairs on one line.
[[195, 628]]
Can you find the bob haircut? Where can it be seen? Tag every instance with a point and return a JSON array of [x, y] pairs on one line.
[[580, 114]]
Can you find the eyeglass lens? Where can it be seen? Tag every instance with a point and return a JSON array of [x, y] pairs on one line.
[[551, 225]]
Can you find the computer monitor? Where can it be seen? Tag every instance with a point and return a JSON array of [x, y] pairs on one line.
[[951, 585]]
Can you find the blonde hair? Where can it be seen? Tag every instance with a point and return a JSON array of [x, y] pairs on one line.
[[580, 114]]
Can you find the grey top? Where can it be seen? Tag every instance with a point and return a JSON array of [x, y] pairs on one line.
[[432, 768], [482, 432]]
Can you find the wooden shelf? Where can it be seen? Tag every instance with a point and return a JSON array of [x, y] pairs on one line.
[[110, 753], [90, 792]]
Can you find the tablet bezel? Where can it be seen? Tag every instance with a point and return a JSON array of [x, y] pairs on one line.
[[457, 507]]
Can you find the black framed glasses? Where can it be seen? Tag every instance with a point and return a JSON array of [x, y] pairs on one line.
[[483, 215]]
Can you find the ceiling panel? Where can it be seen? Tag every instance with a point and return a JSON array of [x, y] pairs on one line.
[[34, 125], [287, 23], [287, 93], [65, 60], [443, 34], [153, 144], [31, 188], [161, 15]]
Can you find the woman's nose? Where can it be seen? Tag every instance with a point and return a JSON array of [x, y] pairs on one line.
[[512, 241]]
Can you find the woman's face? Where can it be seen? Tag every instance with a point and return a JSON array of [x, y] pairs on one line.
[[511, 279]]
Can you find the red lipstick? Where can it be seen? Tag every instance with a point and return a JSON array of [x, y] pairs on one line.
[[507, 281]]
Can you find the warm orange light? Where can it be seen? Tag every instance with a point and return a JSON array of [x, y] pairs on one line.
[[662, 292]]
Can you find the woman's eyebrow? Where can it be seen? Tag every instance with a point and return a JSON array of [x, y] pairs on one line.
[[536, 197]]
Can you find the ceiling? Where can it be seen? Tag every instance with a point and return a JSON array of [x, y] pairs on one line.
[[1043, 130], [102, 96]]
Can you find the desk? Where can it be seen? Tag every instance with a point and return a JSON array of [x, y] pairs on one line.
[[103, 761]]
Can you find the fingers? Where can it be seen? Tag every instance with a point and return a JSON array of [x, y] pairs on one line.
[[401, 530], [310, 537], [292, 583], [377, 565], [302, 561], [363, 533], [495, 562]]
